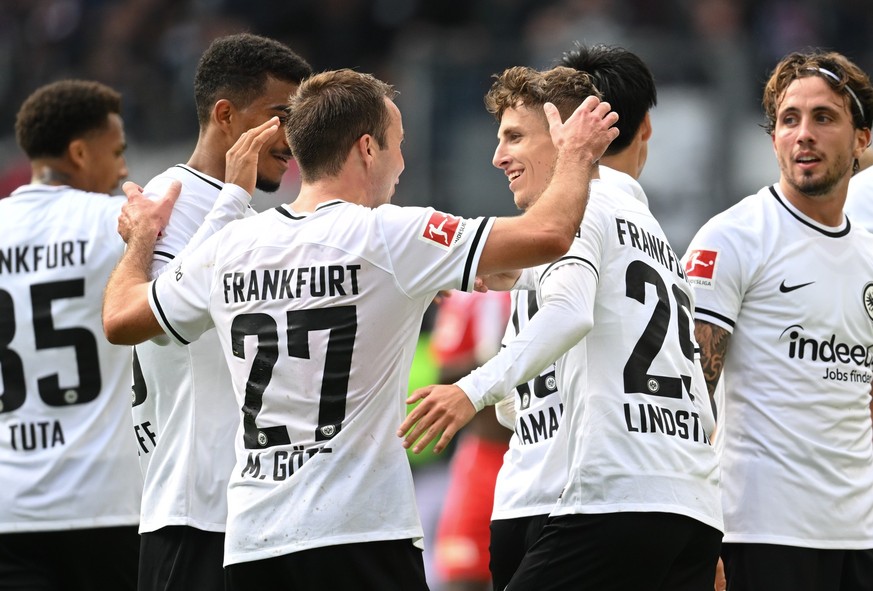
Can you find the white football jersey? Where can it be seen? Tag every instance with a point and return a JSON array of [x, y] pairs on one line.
[[534, 467], [534, 470], [797, 297], [67, 456], [318, 315], [623, 181], [184, 410], [859, 203], [637, 416]]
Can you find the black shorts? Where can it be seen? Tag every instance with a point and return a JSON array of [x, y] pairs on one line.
[[99, 559], [181, 558], [394, 565], [621, 552], [789, 568], [510, 541]]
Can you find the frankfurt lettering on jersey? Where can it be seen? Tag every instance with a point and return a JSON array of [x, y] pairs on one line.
[[283, 284], [29, 258], [629, 234]]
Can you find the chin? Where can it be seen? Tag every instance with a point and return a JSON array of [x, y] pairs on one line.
[[267, 185]]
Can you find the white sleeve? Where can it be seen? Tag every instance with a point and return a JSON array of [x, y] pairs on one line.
[[731, 252], [180, 298], [505, 411], [527, 280], [232, 204], [859, 203], [565, 317], [429, 250]]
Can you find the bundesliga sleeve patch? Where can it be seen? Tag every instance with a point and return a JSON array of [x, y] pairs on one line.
[[700, 268], [442, 229]]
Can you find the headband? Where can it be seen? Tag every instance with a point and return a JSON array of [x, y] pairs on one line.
[[848, 88]]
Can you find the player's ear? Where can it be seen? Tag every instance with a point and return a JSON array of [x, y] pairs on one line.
[[223, 113], [645, 129], [77, 152], [366, 148]]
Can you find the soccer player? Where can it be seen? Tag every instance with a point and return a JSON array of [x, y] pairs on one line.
[[528, 484], [70, 492], [184, 410], [784, 317], [642, 486], [317, 305]]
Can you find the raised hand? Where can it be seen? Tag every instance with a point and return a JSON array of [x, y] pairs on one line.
[[241, 162], [586, 133]]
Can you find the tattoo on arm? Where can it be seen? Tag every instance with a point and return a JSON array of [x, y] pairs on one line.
[[713, 341]]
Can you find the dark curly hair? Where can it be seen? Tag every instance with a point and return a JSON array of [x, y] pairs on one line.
[[236, 67], [58, 113]]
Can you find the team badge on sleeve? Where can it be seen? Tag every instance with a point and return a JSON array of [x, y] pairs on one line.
[[700, 267], [442, 229]]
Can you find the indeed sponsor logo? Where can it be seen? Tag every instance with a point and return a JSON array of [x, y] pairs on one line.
[[828, 349]]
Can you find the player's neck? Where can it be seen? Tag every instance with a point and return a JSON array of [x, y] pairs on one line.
[[825, 209], [49, 173], [209, 158], [312, 195]]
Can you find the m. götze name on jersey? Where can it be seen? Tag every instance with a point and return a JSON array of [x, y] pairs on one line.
[[279, 464]]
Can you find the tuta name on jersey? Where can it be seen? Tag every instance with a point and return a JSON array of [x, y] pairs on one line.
[[29, 258], [282, 284], [629, 234], [39, 435]]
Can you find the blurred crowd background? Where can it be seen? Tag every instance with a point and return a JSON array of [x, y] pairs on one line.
[[709, 57]]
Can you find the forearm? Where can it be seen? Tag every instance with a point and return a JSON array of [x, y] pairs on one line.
[[563, 320], [713, 341], [127, 316]]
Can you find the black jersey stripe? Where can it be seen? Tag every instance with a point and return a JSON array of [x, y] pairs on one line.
[[198, 175], [839, 234], [164, 316], [515, 312], [725, 319], [468, 266], [532, 306], [287, 213], [570, 258], [166, 255]]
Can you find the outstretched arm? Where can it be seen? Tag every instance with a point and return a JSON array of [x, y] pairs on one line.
[[565, 317]]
